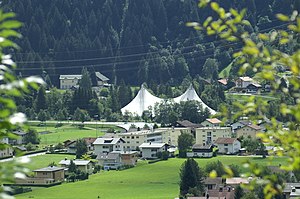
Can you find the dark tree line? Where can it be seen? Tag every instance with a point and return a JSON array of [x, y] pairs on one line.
[[134, 41]]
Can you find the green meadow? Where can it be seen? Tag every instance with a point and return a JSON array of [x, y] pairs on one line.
[[66, 132], [149, 181]]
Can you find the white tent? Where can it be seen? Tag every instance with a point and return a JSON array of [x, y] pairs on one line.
[[191, 94], [144, 99]]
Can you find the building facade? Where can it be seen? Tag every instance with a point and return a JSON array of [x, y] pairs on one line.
[[208, 135], [106, 145]]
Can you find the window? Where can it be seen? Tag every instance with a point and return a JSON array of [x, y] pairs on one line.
[[203, 135], [214, 135], [137, 137], [225, 144], [132, 137], [153, 150], [137, 142], [128, 142]]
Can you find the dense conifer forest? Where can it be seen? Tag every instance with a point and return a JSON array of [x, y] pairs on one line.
[[132, 40]]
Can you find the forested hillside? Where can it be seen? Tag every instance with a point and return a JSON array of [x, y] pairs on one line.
[[134, 40]]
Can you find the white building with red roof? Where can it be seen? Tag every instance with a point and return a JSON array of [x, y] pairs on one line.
[[228, 145]]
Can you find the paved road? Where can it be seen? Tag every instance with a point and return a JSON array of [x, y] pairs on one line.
[[30, 155]]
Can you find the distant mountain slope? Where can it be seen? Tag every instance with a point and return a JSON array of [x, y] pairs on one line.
[[135, 40]]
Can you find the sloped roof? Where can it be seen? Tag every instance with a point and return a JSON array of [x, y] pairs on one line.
[[246, 79], [141, 102], [144, 99], [101, 76], [225, 140], [253, 126], [107, 141], [214, 121], [186, 123], [76, 162], [70, 77], [50, 168], [223, 81], [152, 145], [190, 94]]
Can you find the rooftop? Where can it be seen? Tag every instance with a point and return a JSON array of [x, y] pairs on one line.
[[152, 145], [143, 132], [186, 123], [19, 133], [237, 180], [225, 140], [50, 168], [246, 79], [76, 162], [69, 77], [108, 141], [200, 146], [214, 120], [223, 81], [101, 76]]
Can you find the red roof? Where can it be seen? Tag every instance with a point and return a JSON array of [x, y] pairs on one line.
[[225, 140], [214, 121], [223, 81], [253, 126]]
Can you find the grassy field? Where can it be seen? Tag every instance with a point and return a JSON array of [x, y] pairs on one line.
[[149, 181], [65, 132], [243, 97]]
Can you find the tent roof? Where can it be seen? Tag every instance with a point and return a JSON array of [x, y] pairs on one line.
[[144, 99], [141, 102]]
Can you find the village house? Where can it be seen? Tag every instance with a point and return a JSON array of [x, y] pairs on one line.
[[162, 135], [117, 159], [249, 130], [201, 151], [111, 160], [239, 124], [85, 166], [208, 135], [150, 150], [236, 181], [212, 183], [243, 82], [171, 134], [7, 152], [89, 143], [70, 145], [228, 145], [253, 88], [101, 79], [44, 176], [212, 122], [69, 81], [19, 140], [291, 190], [106, 145]]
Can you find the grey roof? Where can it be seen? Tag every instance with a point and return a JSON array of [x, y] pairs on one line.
[[152, 145], [70, 76], [101, 76], [217, 181], [51, 168], [76, 162], [107, 141], [108, 156], [19, 132], [200, 146]]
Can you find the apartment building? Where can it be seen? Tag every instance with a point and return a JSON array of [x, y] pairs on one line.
[[208, 135]]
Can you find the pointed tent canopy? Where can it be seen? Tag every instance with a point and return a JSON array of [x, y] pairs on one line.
[[144, 99], [141, 102], [191, 94]]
